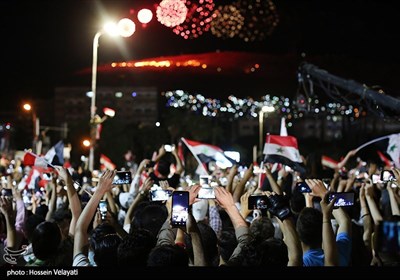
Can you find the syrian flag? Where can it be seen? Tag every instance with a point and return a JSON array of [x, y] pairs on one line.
[[389, 146], [393, 149], [205, 153], [329, 162], [283, 149], [384, 159], [106, 163], [55, 155]]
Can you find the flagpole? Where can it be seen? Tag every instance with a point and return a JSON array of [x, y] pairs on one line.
[[372, 141], [194, 154]]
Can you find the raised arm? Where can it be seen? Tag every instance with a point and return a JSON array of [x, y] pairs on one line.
[[81, 236], [8, 212], [73, 198], [331, 255], [179, 167], [237, 193], [53, 199], [231, 176]]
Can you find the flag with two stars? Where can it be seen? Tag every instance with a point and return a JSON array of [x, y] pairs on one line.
[[205, 153], [393, 149], [283, 149]]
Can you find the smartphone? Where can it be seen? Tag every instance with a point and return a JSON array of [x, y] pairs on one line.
[[376, 178], [388, 239], [103, 209], [160, 195], [343, 198], [303, 187], [387, 176], [122, 177], [180, 208], [6, 192], [205, 181], [206, 193], [168, 148], [257, 202]]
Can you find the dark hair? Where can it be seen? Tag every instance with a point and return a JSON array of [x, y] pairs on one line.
[[151, 217], [270, 252], [163, 167], [106, 250], [209, 241], [31, 223], [62, 214], [168, 255], [46, 239], [227, 243], [309, 227], [98, 233], [297, 201], [262, 228], [104, 242], [135, 248]]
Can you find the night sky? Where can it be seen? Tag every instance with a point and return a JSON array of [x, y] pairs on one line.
[[44, 42]]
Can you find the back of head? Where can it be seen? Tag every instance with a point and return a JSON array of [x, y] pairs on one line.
[[262, 228], [30, 225], [151, 217], [135, 248], [106, 253], [209, 241], [46, 239], [163, 168], [104, 242], [309, 227], [168, 255], [271, 252], [227, 243]]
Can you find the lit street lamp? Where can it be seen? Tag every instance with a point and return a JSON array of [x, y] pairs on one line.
[[36, 145], [124, 28], [264, 109]]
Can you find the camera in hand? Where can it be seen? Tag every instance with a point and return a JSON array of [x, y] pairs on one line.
[[257, 202], [122, 177], [180, 208], [303, 187], [343, 198], [6, 192], [387, 176], [160, 194], [103, 209]]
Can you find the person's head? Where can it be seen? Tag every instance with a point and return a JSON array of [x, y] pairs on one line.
[[309, 227], [46, 239], [209, 241], [297, 201], [104, 242], [151, 217], [30, 225], [270, 252], [227, 243], [163, 167], [62, 216], [135, 248], [262, 228], [168, 256]]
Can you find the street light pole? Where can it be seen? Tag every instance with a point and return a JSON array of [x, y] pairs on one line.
[[93, 99], [124, 28]]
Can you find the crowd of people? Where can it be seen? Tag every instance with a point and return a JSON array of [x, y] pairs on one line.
[[54, 218]]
